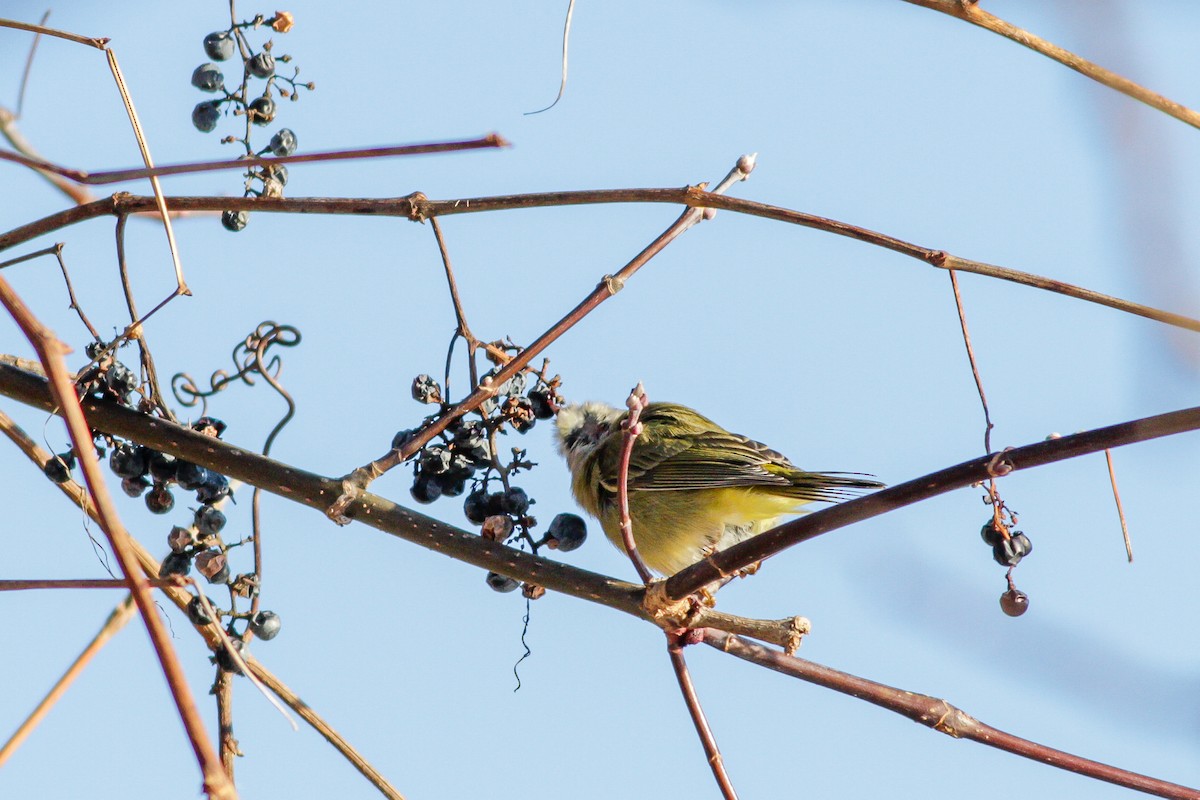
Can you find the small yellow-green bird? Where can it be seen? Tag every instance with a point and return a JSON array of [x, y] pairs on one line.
[[694, 487]]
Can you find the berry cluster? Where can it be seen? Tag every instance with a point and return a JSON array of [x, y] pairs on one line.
[[1008, 548], [259, 110], [466, 454]]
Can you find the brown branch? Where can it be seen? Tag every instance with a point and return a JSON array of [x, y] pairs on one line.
[[50, 352], [91, 41], [223, 690], [969, 11], [418, 207], [757, 548], [116, 620], [940, 716]]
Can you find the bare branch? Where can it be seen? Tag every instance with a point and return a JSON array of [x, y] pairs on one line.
[[940, 716]]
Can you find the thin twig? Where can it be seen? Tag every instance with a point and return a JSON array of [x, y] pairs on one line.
[[116, 620], [562, 83], [56, 251], [636, 404], [1112, 478], [37, 37], [966, 335], [228, 744], [103, 177], [711, 751], [50, 352], [939, 715], [91, 41], [76, 583], [971, 12]]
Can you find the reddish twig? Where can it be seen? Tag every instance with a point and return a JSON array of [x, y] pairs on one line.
[[939, 715], [50, 352], [711, 751], [632, 425], [56, 251], [77, 583], [104, 177]]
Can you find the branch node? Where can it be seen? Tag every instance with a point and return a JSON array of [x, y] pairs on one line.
[[612, 284]]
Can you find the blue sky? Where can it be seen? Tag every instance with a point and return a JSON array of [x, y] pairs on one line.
[[842, 356]]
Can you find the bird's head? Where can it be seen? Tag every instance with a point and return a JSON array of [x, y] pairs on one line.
[[581, 427]]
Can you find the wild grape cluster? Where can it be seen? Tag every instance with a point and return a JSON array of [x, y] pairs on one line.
[[259, 110], [464, 459], [156, 476], [1008, 548]]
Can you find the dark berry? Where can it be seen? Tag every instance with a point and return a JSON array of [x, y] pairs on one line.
[[265, 625], [501, 583], [990, 533], [566, 532], [163, 466], [209, 520], [435, 460], [219, 45], [226, 661], [159, 499], [1014, 602], [56, 469], [471, 442], [213, 564], [209, 426], [1009, 552], [426, 390], [283, 143], [206, 115], [516, 501], [543, 407], [134, 487], [235, 221], [452, 485], [179, 539], [208, 78], [519, 411], [197, 613], [119, 380], [128, 461], [497, 527], [262, 110], [425, 489], [475, 507], [261, 65], [190, 476], [214, 488], [175, 564]]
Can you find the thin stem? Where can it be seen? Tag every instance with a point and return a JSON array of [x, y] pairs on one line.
[[1112, 478], [491, 140], [972, 13], [223, 689], [50, 352], [97, 42], [690, 698], [562, 83], [636, 403], [939, 715], [116, 620], [56, 251], [37, 37], [77, 583]]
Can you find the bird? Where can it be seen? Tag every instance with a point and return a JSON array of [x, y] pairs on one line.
[[694, 488]]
